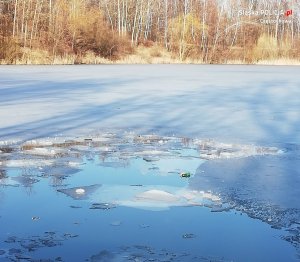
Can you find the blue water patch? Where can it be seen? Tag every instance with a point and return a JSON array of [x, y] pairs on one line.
[[131, 205]]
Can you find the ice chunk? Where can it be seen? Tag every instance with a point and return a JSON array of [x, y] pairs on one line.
[[26, 163], [210, 149], [147, 139], [80, 193], [157, 195], [151, 197], [152, 153], [41, 151], [103, 206]]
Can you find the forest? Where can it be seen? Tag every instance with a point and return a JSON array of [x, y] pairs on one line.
[[149, 31]]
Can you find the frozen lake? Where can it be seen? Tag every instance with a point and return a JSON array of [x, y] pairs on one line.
[[253, 104], [149, 163]]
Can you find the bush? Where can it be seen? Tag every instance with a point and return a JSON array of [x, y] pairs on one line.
[[9, 50], [266, 48], [94, 35], [184, 34]]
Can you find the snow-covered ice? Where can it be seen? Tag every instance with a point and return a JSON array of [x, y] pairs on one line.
[[249, 104]]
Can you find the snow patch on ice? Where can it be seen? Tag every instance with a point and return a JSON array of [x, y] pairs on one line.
[[156, 195], [43, 151], [26, 163]]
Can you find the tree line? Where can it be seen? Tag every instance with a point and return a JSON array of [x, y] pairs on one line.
[[212, 31]]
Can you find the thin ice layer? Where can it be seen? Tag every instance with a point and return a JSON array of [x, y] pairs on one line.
[[265, 187]]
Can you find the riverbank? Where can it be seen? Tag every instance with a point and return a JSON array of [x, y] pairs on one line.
[[140, 55]]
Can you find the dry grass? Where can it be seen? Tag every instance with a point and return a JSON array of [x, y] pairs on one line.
[[41, 57], [64, 60], [155, 55], [146, 55], [91, 58], [279, 61], [235, 62], [33, 57], [143, 55]]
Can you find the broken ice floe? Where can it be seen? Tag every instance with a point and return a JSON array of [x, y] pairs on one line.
[[150, 197], [40, 151], [59, 157], [79, 193], [27, 163], [151, 148], [210, 149], [147, 197], [103, 206]]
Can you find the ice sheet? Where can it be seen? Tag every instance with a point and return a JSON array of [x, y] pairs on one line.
[[244, 104]]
